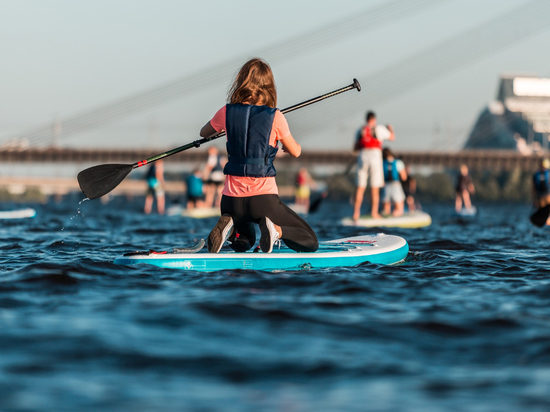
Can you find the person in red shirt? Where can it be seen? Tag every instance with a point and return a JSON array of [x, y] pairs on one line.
[[254, 128], [370, 168]]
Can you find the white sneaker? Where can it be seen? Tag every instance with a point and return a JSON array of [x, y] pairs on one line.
[[269, 235], [219, 234]]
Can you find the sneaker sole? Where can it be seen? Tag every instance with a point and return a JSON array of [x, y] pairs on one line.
[[265, 241], [219, 234]]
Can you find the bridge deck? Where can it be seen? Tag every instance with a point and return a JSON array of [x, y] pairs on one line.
[[495, 160]]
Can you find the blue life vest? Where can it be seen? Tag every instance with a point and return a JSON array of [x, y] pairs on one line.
[[194, 186], [248, 130], [541, 179], [391, 174]]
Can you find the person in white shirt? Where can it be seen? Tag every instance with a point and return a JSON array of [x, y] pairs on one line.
[[370, 169]]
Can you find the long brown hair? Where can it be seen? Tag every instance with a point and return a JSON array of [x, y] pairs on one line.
[[254, 84]]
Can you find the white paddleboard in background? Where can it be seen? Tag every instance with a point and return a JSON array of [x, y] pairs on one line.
[[197, 213], [410, 220], [18, 214], [352, 251], [298, 208], [470, 212], [201, 213]]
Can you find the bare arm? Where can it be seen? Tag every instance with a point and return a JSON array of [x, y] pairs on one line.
[[207, 130], [291, 146], [392, 133], [403, 175]]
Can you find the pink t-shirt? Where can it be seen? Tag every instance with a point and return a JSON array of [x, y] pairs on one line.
[[240, 186]]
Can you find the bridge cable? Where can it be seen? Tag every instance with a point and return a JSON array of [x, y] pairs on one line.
[[297, 46]]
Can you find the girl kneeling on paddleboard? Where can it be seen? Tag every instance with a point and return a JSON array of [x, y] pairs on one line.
[[254, 127]]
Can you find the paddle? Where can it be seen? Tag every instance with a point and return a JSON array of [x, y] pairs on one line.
[[99, 180], [540, 216]]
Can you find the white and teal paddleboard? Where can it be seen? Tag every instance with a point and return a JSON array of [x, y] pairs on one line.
[[18, 214], [352, 251], [410, 220]]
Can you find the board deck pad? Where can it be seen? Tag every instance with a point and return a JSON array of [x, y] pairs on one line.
[[410, 220], [377, 249]]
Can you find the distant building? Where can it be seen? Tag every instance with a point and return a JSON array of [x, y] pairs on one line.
[[518, 120]]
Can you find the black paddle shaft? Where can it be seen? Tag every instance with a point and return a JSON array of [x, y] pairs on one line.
[[198, 143]]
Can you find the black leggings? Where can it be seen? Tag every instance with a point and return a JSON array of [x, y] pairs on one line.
[[246, 211]]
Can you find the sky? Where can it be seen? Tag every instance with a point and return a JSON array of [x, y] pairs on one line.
[[64, 57]]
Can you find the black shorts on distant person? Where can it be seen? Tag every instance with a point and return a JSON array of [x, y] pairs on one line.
[[213, 182], [246, 211], [194, 199]]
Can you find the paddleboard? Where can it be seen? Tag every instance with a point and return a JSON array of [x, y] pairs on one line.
[[470, 212], [410, 220], [379, 249], [18, 214], [197, 213]]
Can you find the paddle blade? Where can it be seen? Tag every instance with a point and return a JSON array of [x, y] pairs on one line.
[[100, 180], [540, 217]]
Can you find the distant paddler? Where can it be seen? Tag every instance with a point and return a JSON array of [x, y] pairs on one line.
[[409, 188], [541, 194], [394, 173], [304, 182], [370, 168], [214, 177], [155, 187], [195, 195], [464, 188]]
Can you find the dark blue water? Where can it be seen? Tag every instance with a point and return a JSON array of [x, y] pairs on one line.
[[464, 324]]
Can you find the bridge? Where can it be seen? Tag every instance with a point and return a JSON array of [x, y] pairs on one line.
[[493, 160]]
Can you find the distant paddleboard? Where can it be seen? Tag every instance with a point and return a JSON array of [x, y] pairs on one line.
[[410, 220], [18, 214], [197, 213], [466, 212], [352, 251]]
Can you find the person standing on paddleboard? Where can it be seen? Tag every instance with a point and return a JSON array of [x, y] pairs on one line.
[[464, 187], [370, 169], [254, 127]]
